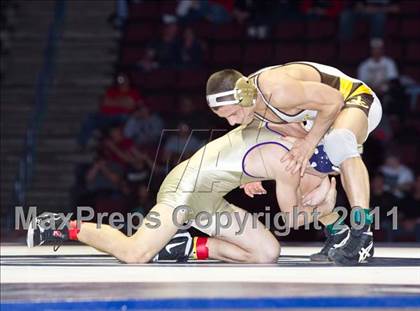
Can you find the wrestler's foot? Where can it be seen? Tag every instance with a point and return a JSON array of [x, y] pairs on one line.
[[333, 240], [357, 248], [47, 228], [179, 248]]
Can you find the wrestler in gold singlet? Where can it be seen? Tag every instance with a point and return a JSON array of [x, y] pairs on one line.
[[219, 167]]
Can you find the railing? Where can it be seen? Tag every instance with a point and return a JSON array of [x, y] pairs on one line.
[[43, 83]]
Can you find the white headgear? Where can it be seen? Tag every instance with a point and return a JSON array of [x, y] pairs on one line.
[[244, 93]]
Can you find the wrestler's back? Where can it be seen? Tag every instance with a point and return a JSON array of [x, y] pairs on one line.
[[214, 170]]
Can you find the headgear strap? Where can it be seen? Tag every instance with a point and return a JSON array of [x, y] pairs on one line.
[[244, 93]]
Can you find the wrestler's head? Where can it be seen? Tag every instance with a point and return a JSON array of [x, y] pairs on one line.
[[231, 96]]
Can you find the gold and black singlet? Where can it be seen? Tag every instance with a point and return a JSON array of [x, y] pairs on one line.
[[355, 93]]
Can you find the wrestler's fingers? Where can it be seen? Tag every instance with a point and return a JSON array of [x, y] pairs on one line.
[[304, 166], [248, 193], [307, 198], [333, 183], [285, 157], [262, 190], [298, 164], [296, 168], [255, 190], [290, 164]]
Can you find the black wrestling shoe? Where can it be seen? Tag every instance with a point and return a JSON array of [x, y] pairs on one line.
[[179, 248], [357, 248], [46, 228], [333, 240]]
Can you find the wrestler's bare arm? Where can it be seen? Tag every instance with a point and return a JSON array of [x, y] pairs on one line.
[[264, 161], [290, 93]]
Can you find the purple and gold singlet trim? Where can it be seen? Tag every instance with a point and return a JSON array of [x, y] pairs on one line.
[[254, 147]]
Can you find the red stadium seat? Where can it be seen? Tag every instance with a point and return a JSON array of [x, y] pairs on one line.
[[161, 103], [288, 52], [229, 32], [361, 30], [202, 29], [408, 154], [160, 79], [323, 52], [258, 53], [410, 28], [144, 10], [140, 33], [289, 30], [138, 79], [131, 55], [247, 70], [393, 48], [412, 52], [318, 29], [392, 27], [199, 101], [354, 52], [348, 70], [191, 78], [409, 7], [167, 7], [226, 54], [413, 72]]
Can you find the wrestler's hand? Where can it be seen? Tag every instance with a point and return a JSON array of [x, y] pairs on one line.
[[328, 204], [297, 158], [253, 188], [318, 195]]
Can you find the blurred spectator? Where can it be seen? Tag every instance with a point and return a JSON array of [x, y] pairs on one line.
[[181, 144], [398, 177], [191, 49], [119, 102], [215, 11], [104, 177], [187, 113], [119, 149], [395, 101], [409, 214], [385, 201], [378, 70], [121, 99], [144, 127], [143, 202], [148, 61], [258, 15], [374, 11], [163, 52], [380, 196], [141, 171], [405, 133], [321, 8]]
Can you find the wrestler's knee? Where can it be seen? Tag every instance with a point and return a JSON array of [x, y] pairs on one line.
[[269, 252], [136, 254], [340, 145]]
